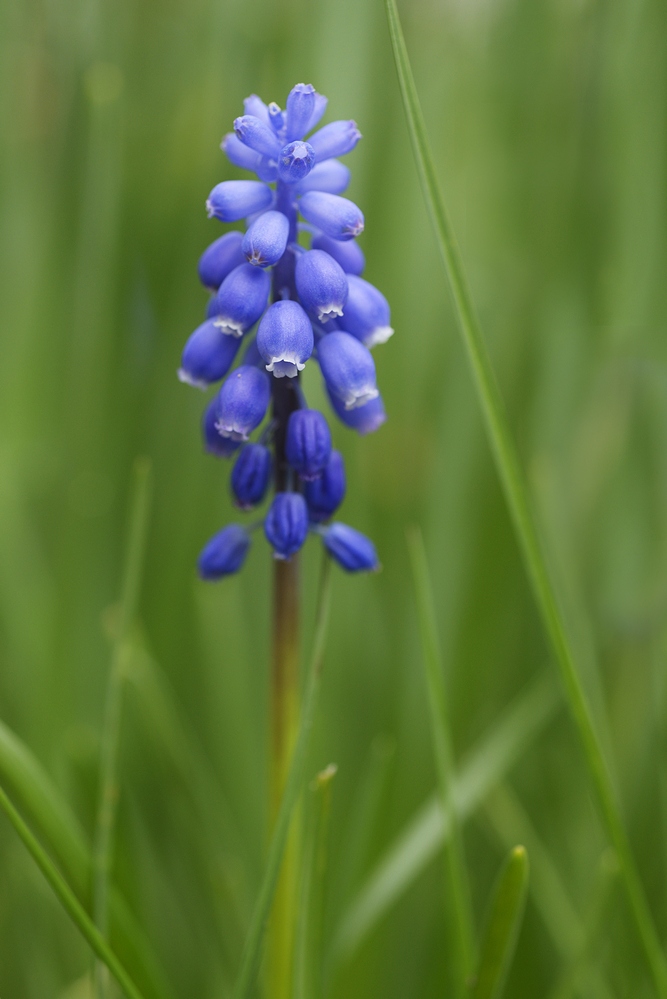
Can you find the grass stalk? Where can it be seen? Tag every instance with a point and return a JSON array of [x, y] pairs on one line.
[[69, 901], [252, 948], [516, 495], [503, 923], [460, 921], [108, 783]]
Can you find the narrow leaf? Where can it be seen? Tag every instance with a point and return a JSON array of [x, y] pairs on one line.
[[516, 495], [502, 927]]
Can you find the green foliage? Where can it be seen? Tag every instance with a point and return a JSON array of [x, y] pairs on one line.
[[503, 923]]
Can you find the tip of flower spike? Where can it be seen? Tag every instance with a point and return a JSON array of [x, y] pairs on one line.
[[379, 335], [187, 379]]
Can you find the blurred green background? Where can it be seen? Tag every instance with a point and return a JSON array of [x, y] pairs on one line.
[[548, 123]]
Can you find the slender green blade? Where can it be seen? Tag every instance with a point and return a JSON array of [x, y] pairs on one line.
[[502, 927], [460, 921], [252, 948], [69, 901], [516, 494], [418, 843]]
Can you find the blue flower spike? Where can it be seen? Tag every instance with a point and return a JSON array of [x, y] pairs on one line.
[[285, 339], [302, 302], [321, 284], [265, 241], [286, 524], [225, 553], [251, 476], [308, 443]]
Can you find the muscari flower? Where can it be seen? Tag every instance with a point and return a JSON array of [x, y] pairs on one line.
[[321, 307]]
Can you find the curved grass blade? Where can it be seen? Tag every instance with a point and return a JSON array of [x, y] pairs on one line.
[[422, 837], [69, 901], [460, 921], [516, 495], [502, 927], [253, 945]]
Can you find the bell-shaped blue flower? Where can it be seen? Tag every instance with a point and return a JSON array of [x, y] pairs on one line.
[[225, 553], [366, 314], [285, 339], [330, 176], [296, 162], [348, 369], [221, 447], [349, 254], [265, 241], [325, 494], [235, 199], [364, 419], [286, 524], [251, 475], [242, 402], [318, 111], [308, 443], [239, 154], [337, 217], [351, 549], [207, 356], [300, 108], [335, 139], [255, 106], [241, 299], [257, 135], [219, 259], [321, 284]]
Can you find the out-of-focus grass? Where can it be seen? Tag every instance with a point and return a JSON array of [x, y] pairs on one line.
[[548, 119]]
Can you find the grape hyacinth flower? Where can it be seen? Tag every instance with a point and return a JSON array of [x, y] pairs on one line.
[[294, 272]]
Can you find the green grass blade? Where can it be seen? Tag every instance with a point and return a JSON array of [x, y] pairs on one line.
[[69, 901], [502, 927], [462, 949], [122, 651], [423, 836], [252, 948], [516, 494]]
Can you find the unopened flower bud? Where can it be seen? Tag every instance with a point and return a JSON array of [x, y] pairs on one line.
[[242, 402], [337, 217], [325, 494], [285, 339], [219, 259], [207, 356], [348, 369], [351, 549], [286, 524], [241, 299], [265, 241], [308, 443], [235, 199], [321, 284], [251, 475], [335, 139], [225, 553]]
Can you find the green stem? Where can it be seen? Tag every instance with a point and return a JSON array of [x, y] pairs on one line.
[[252, 947], [108, 792], [462, 950], [516, 495], [69, 901]]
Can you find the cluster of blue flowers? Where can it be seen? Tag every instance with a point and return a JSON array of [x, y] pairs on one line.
[[321, 308]]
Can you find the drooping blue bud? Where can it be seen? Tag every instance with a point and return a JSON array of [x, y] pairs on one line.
[[241, 299], [265, 241], [296, 161], [318, 111], [351, 549], [239, 154], [364, 419], [256, 134], [242, 402], [219, 259], [285, 338], [335, 139], [308, 443], [255, 106], [321, 284], [349, 254], [214, 443], [286, 524], [235, 199], [251, 475], [331, 176], [225, 553], [276, 118], [207, 356], [366, 314], [348, 369], [326, 493], [300, 108], [337, 217]]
